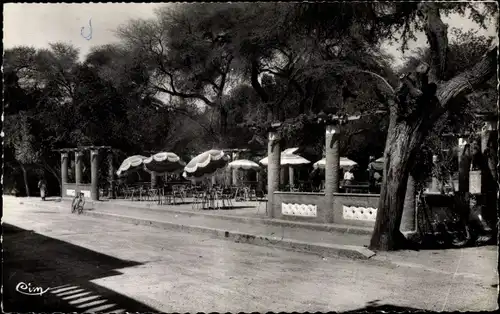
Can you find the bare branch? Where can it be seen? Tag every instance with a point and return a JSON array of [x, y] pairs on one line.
[[183, 95], [379, 77]]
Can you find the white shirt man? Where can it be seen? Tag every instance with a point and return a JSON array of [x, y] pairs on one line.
[[348, 176]]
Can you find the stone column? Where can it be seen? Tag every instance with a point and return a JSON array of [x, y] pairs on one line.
[[94, 174], [332, 165], [234, 177], [64, 172], [282, 175], [234, 173], [78, 167], [409, 218], [273, 169], [435, 181], [463, 167], [111, 177], [290, 176]]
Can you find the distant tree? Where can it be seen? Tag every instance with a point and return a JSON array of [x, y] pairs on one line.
[[23, 144]]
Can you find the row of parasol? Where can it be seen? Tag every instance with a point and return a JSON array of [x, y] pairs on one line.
[[209, 162], [199, 167]]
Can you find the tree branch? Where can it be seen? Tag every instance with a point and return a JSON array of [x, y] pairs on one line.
[[389, 87], [465, 82], [185, 95], [173, 91], [437, 36]]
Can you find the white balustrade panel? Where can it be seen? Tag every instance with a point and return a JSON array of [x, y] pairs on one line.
[[306, 210], [359, 213], [70, 192]]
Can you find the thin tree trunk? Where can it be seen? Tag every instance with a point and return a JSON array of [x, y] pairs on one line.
[[25, 178]]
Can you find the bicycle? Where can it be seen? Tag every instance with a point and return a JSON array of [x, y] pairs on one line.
[[78, 203]]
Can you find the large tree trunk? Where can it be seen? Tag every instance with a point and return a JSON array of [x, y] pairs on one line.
[[25, 178], [402, 139], [415, 106]]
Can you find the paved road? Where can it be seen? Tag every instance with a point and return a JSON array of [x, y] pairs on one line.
[[106, 266]]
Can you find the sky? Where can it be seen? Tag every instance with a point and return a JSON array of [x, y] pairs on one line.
[[38, 25]]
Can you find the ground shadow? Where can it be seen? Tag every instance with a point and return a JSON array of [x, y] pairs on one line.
[[67, 269], [375, 306]]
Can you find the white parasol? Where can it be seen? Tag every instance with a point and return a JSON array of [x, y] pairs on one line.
[[288, 158], [205, 164], [132, 163], [243, 164], [164, 162], [344, 163]]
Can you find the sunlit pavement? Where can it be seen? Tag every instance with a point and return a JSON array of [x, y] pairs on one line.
[[106, 266]]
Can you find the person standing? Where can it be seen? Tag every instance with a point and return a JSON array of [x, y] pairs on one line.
[[348, 177], [42, 185]]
